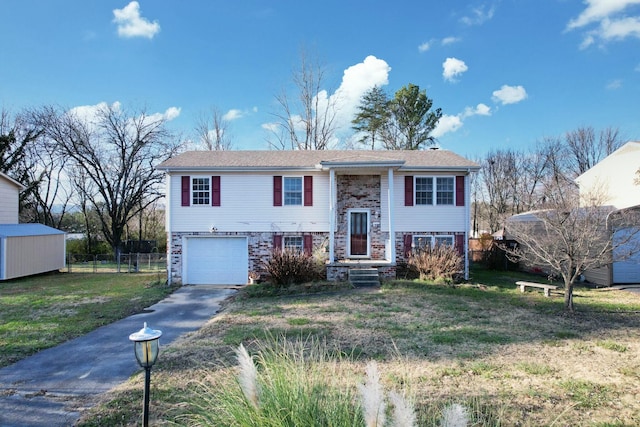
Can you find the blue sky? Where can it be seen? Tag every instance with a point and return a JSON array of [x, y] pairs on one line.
[[506, 73]]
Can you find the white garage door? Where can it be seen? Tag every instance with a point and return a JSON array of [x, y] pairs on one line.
[[215, 261], [627, 269]]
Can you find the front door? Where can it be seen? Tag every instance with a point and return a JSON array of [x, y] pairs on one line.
[[359, 233]]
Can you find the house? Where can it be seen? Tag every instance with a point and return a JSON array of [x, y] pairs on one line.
[[228, 210], [25, 249], [616, 178], [9, 199]]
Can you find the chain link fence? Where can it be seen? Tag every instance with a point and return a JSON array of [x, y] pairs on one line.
[[124, 263]]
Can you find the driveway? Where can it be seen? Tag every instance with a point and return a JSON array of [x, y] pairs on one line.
[[52, 387]]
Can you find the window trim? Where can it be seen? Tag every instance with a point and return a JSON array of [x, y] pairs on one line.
[[284, 190], [193, 191], [286, 240], [434, 190], [432, 239]]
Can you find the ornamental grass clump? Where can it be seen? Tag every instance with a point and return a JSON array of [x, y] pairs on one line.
[[301, 384]]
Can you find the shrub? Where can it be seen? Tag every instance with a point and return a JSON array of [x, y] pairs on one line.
[[439, 262], [287, 267]]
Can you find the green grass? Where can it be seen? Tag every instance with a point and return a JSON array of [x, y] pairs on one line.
[[42, 311]]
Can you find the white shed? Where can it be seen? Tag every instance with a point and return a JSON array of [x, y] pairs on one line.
[[27, 249]]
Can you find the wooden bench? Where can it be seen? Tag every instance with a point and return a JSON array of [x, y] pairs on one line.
[[547, 288]]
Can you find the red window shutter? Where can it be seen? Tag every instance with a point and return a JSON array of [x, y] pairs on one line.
[[408, 241], [277, 242], [186, 190], [277, 191], [215, 191], [460, 244], [308, 244], [308, 191], [459, 190], [408, 190]]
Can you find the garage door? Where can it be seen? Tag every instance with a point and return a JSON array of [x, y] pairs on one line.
[[215, 261], [627, 268]]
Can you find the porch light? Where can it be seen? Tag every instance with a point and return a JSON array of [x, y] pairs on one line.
[[146, 346]]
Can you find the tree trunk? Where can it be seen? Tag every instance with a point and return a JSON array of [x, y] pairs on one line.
[[568, 296]]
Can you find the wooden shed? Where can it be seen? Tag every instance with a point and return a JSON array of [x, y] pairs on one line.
[[27, 249]]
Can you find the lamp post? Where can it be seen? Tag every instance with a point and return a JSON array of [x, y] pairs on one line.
[[146, 345]]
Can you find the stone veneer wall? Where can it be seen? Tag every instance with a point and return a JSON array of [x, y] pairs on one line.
[[260, 246], [359, 192]]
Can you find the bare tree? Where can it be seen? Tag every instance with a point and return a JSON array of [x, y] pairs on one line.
[[213, 131], [585, 149], [568, 238], [305, 121], [116, 154], [18, 142]]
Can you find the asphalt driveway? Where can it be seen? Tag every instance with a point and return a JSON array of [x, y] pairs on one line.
[[52, 387]]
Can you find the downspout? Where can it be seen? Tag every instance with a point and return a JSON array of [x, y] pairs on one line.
[[392, 231], [332, 214], [467, 221], [167, 227]]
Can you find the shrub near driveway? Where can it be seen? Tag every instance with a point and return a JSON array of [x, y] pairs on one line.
[[509, 358], [42, 311]]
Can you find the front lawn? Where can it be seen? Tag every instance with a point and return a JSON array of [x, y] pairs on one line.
[[42, 311], [509, 358]]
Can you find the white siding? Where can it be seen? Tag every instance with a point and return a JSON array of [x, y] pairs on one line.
[[412, 218], [615, 176], [247, 205], [27, 255], [9, 193]]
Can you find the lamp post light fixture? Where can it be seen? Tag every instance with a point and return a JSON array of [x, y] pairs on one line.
[[146, 346]]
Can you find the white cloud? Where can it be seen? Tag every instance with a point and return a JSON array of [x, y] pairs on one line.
[[611, 21], [614, 84], [452, 68], [479, 15], [131, 24], [424, 47], [450, 40], [449, 123], [89, 113], [509, 94], [232, 114], [446, 124], [479, 110], [356, 80], [170, 114]]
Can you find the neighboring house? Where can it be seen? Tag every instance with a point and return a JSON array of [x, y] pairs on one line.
[[228, 210], [9, 199], [25, 249], [615, 177]]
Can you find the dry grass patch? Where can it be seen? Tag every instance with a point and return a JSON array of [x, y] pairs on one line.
[[511, 358]]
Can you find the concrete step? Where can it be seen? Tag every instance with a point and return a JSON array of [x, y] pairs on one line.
[[364, 277]]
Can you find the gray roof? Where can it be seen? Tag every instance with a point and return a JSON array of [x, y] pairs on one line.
[[314, 159], [31, 229]]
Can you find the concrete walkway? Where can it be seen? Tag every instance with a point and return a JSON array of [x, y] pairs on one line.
[[51, 387]]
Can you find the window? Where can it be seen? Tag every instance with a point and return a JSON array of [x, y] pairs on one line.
[[424, 191], [293, 243], [292, 191], [421, 242], [443, 240], [444, 191], [200, 191]]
